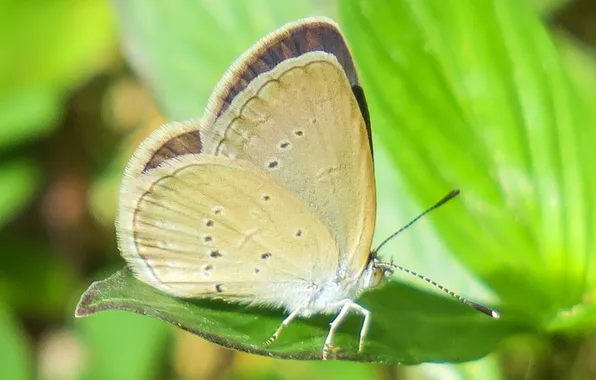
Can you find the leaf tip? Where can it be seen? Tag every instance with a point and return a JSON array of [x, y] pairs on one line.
[[85, 307]]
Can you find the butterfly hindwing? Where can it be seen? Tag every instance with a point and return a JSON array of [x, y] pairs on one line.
[[201, 225]]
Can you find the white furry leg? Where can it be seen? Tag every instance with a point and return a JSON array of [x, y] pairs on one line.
[[287, 320], [343, 313], [365, 324], [334, 325]]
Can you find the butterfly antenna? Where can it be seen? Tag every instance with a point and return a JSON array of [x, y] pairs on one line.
[[390, 266], [440, 203], [483, 309]]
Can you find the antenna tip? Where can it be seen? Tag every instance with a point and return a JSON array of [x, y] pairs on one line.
[[485, 310], [452, 194]]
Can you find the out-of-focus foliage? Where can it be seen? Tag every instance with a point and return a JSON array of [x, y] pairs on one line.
[[69, 100], [46, 50], [16, 362]]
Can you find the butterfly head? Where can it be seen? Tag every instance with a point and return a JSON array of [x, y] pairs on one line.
[[375, 268], [375, 271]]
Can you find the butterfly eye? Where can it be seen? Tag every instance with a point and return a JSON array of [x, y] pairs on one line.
[[377, 276]]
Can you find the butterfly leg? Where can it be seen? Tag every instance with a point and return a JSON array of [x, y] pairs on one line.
[[365, 324], [334, 326], [287, 320]]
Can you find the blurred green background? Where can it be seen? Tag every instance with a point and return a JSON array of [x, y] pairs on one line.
[[493, 97]]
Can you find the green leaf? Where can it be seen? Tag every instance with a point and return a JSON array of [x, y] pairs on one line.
[[547, 7], [406, 323], [472, 95]]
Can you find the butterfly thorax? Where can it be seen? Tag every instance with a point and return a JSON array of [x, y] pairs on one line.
[[329, 297]]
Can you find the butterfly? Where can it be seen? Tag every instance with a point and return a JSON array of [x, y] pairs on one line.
[[269, 198]]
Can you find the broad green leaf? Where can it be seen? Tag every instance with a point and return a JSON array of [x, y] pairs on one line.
[[406, 323], [472, 95], [547, 7], [580, 63], [16, 360]]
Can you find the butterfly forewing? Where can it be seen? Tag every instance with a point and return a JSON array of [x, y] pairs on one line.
[[294, 40], [301, 123], [203, 225]]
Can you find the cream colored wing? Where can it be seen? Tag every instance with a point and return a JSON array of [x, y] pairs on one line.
[[293, 102], [302, 123], [293, 40], [211, 226]]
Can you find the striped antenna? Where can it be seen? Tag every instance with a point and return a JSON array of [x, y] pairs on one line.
[[440, 203], [390, 266], [483, 309]]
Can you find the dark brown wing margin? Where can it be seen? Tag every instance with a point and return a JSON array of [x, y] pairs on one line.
[[185, 143], [292, 40]]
